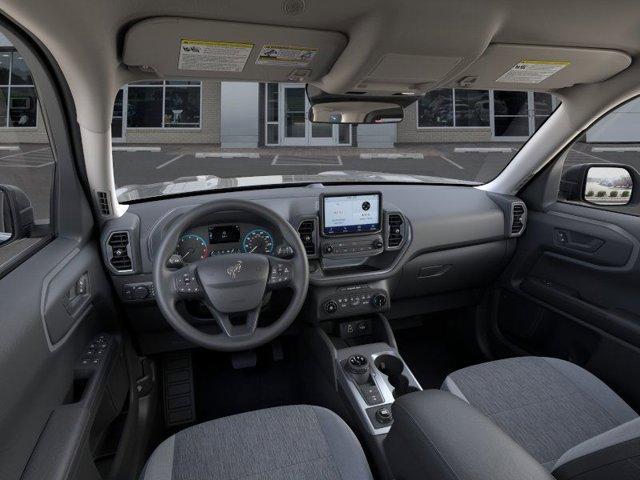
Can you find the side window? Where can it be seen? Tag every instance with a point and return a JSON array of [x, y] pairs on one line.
[[27, 165], [602, 168]]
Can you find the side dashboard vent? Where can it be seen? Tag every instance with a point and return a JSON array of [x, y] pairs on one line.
[[306, 229], [396, 230], [103, 203], [119, 252], [518, 219]]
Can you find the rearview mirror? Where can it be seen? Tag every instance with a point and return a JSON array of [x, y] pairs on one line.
[[356, 108], [16, 214], [608, 186]]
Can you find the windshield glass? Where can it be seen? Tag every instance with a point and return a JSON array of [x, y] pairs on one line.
[[172, 137]]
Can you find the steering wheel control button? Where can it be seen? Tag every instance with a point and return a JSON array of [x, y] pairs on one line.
[[187, 284], [285, 251], [280, 274]]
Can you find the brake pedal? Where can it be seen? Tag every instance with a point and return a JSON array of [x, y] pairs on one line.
[[179, 400]]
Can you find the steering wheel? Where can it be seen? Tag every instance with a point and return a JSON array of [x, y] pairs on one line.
[[230, 285]]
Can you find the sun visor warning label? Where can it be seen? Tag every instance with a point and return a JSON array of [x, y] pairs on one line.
[[532, 71], [285, 55], [213, 56]]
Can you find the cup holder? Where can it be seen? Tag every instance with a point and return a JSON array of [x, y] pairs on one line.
[[393, 367]]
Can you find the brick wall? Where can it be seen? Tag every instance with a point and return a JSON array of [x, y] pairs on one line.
[[408, 131], [209, 131]]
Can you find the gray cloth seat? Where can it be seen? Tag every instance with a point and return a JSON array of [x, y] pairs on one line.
[[549, 407], [295, 442]]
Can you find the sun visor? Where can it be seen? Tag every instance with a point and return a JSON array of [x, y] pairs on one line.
[[192, 48], [527, 67]]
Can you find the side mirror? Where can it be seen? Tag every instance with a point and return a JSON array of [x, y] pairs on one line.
[[16, 214], [600, 184], [356, 108]]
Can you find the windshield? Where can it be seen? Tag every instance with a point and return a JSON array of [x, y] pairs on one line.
[[172, 137]]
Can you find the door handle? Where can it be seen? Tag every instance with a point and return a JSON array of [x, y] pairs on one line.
[[576, 240]]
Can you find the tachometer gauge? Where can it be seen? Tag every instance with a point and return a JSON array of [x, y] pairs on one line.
[[191, 247], [258, 241]]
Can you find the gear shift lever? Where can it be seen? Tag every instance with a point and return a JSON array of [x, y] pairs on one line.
[[358, 366]]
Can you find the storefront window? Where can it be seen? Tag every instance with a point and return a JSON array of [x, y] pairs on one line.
[[158, 104], [454, 108], [18, 99]]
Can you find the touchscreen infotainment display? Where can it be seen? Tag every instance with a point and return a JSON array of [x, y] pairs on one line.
[[351, 214]]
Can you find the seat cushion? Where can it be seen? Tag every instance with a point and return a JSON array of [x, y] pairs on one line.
[[546, 405], [293, 442]]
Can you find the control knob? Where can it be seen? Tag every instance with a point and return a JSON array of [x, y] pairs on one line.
[[378, 243], [383, 415], [330, 307], [379, 300], [328, 248]]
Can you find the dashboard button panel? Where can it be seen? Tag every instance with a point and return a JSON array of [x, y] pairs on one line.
[[360, 247]]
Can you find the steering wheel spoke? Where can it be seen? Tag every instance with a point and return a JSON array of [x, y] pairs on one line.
[[235, 329], [280, 273]]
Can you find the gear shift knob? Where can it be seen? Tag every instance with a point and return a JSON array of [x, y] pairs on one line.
[[358, 366]]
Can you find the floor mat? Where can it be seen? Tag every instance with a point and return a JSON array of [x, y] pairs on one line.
[[221, 390], [434, 349]]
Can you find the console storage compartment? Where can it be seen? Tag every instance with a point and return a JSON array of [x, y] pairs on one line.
[[436, 435]]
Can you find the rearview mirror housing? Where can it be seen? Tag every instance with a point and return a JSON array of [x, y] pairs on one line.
[[356, 108], [16, 214]]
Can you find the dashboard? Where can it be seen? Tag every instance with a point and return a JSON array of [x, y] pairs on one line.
[[398, 250]]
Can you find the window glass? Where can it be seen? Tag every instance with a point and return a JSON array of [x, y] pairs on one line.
[[436, 109], [182, 107], [22, 107], [145, 107], [20, 74], [5, 67], [472, 108], [26, 157], [211, 134]]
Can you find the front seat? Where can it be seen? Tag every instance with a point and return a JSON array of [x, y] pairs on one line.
[[292, 442], [565, 417]]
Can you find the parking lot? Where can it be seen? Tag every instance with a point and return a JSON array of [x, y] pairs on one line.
[[31, 166]]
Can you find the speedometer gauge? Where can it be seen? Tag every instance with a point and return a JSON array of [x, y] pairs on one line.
[[191, 247], [258, 241]]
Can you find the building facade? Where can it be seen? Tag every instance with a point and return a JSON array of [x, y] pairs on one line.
[[251, 115]]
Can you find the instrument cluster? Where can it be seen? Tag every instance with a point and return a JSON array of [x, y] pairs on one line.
[[211, 240]]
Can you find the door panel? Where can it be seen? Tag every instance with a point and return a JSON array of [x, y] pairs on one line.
[[572, 292]]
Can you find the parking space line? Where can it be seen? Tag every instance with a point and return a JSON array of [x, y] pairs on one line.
[[135, 149], [169, 161], [25, 153], [592, 156], [293, 161], [11, 148], [275, 159], [340, 160], [482, 149], [615, 149], [408, 155], [227, 155], [451, 162]]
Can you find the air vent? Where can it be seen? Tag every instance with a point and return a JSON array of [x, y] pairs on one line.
[[103, 203], [395, 224], [518, 216], [307, 235], [118, 251]]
